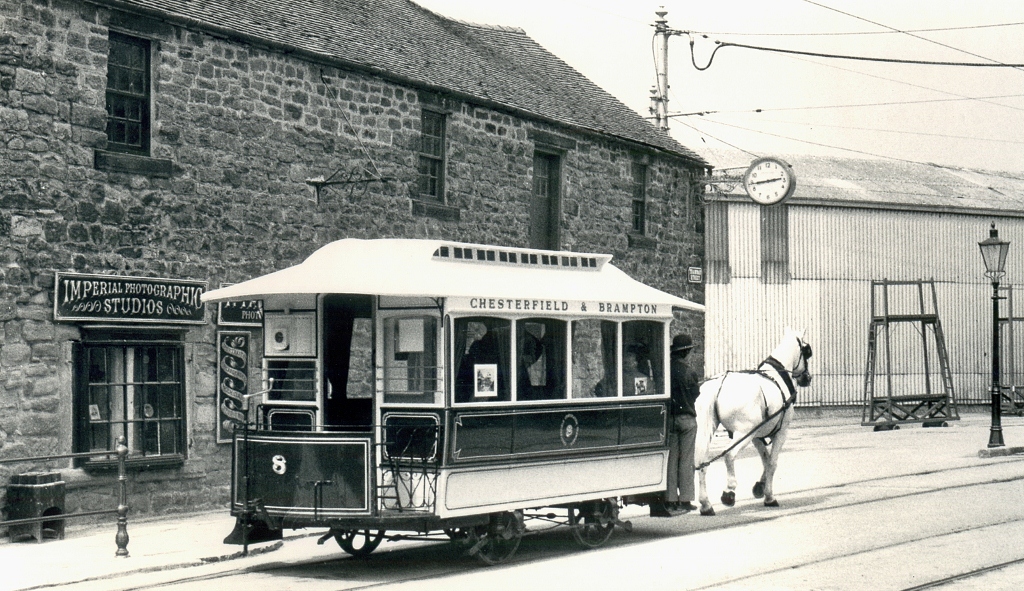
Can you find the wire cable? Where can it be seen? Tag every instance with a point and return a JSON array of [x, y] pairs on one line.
[[723, 44], [856, 33], [909, 34], [850, 106], [823, 145]]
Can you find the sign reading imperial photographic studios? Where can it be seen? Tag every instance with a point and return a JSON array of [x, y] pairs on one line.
[[110, 298]]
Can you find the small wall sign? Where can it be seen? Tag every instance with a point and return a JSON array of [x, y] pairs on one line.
[[232, 381], [247, 313], [695, 275], [111, 298]]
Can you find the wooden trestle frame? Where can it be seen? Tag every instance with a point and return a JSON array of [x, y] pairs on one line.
[[886, 410], [1012, 388]]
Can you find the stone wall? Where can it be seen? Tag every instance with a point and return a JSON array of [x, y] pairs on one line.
[[236, 131]]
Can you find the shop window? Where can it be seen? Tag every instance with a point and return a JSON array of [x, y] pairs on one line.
[[133, 388], [410, 359], [128, 95], [482, 350], [593, 358], [643, 358], [540, 359]]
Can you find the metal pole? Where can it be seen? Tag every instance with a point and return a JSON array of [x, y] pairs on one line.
[[662, 31], [122, 507], [995, 436]]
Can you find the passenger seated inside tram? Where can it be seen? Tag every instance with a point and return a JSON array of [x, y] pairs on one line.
[[480, 370], [636, 371], [636, 375]]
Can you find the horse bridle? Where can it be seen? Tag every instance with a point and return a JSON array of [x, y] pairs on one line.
[[805, 353]]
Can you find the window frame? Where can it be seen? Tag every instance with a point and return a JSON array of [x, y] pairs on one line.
[[395, 397], [775, 244], [659, 380], [432, 163], [127, 344], [639, 198], [551, 240], [140, 99]]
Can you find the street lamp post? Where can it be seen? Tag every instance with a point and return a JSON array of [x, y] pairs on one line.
[[993, 251]]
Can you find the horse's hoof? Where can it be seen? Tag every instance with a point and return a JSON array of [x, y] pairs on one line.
[[771, 503], [729, 498], [758, 490], [707, 511]]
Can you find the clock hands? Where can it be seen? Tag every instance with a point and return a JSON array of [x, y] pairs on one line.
[[780, 178]]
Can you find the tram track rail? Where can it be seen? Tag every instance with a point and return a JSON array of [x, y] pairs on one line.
[[724, 522]]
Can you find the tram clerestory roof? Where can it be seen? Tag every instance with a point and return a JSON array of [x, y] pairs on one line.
[[437, 268]]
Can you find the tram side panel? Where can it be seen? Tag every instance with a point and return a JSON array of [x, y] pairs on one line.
[[501, 460]]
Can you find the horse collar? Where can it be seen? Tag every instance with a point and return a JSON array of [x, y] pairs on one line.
[[783, 372]]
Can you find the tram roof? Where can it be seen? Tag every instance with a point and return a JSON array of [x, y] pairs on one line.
[[436, 268]]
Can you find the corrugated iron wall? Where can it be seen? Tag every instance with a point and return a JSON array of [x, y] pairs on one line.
[[835, 254]]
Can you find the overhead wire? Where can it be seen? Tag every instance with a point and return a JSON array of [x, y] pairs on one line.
[[892, 131], [819, 144], [910, 34], [849, 106], [723, 44], [857, 33]]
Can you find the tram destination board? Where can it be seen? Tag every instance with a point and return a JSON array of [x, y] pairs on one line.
[[112, 298]]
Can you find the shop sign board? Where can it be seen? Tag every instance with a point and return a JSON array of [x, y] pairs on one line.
[[111, 298]]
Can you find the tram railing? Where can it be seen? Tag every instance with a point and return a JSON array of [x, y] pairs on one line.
[[409, 467], [121, 538]]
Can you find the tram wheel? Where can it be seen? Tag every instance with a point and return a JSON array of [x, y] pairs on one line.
[[359, 542], [592, 522], [497, 541]]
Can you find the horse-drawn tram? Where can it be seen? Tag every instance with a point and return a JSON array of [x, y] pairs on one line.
[[450, 390]]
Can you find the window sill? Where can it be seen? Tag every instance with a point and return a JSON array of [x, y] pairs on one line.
[[134, 464], [641, 241], [436, 210], [133, 164]]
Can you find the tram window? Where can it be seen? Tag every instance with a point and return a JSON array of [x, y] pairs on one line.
[[360, 365], [593, 358], [643, 358], [410, 358], [482, 351], [540, 359], [294, 379]]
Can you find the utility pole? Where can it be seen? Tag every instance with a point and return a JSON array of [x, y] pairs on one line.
[[659, 94]]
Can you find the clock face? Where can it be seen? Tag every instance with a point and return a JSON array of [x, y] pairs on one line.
[[769, 181]]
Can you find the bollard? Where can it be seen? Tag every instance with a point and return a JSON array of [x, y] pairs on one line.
[[122, 506]]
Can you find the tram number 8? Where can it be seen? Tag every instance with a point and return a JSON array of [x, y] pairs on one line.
[[278, 464]]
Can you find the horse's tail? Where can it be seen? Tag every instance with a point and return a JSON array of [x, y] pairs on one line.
[[706, 406]]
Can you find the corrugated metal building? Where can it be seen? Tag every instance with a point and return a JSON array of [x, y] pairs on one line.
[[809, 263]]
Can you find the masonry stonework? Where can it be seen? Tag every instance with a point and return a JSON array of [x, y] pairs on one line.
[[237, 128]]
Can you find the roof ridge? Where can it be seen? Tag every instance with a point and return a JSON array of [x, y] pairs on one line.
[[505, 28]]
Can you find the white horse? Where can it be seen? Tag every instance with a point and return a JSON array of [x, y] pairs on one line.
[[752, 406]]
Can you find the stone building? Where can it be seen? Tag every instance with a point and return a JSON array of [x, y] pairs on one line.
[[153, 149]]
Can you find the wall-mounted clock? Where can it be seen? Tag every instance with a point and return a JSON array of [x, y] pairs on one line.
[[769, 181]]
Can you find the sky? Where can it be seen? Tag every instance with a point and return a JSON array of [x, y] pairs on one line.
[[763, 103]]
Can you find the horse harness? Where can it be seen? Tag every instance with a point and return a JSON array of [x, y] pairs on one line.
[[786, 403]]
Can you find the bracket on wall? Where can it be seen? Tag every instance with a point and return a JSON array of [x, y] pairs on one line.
[[350, 178]]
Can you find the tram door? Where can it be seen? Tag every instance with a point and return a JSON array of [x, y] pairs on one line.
[[348, 361]]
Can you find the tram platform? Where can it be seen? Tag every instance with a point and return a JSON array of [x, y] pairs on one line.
[[824, 449]]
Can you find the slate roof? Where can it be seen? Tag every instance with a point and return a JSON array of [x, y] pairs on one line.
[[854, 182], [500, 65]]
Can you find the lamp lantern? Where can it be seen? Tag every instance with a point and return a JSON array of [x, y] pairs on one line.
[[993, 251]]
